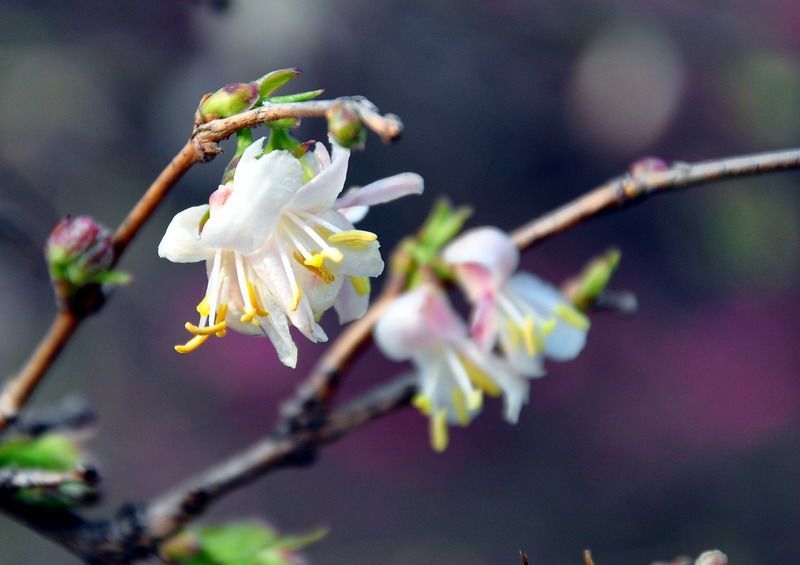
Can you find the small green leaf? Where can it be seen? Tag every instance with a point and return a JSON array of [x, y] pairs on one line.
[[272, 81], [594, 278], [52, 452], [111, 277], [237, 544], [299, 97]]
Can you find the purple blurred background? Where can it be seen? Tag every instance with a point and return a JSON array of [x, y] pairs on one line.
[[677, 430]]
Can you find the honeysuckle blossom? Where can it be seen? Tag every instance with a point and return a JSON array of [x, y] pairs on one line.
[[527, 316], [277, 248], [453, 373]]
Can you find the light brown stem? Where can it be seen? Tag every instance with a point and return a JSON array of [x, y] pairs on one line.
[[20, 387], [628, 188]]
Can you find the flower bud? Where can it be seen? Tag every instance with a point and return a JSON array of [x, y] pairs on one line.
[[230, 100], [79, 252], [345, 126], [648, 165]]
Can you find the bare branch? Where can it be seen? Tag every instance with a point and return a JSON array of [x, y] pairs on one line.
[[73, 413], [627, 189], [388, 127], [14, 480], [169, 513]]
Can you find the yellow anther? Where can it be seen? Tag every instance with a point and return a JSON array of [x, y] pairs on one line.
[[318, 269], [547, 327], [204, 307], [438, 431], [514, 335], [222, 311], [251, 292], [316, 260], [192, 344], [529, 336], [422, 403], [361, 285], [206, 331], [460, 407], [248, 315], [571, 316], [297, 296], [479, 378], [358, 239]]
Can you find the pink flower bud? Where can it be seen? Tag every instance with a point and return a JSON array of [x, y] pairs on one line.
[[230, 100], [648, 165]]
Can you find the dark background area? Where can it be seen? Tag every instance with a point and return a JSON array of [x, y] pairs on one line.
[[677, 430]]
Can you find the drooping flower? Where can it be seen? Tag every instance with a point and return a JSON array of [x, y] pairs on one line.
[[528, 317], [276, 247], [453, 373]]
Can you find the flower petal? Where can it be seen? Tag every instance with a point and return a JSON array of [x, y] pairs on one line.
[[417, 321], [361, 261], [320, 192], [181, 242], [486, 249], [383, 190], [262, 189], [568, 336], [352, 302], [514, 387], [484, 323]]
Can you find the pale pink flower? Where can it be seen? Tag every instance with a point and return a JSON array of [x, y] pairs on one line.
[[528, 317], [452, 371]]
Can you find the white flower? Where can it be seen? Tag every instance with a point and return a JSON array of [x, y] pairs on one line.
[[276, 246], [527, 316], [452, 371]]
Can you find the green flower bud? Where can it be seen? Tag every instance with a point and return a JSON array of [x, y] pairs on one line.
[[230, 100], [345, 126], [584, 289]]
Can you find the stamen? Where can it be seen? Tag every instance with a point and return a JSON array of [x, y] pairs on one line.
[[204, 308], [571, 316], [460, 407], [331, 253], [479, 377], [327, 252], [251, 291], [319, 271], [320, 223], [206, 331], [358, 239], [222, 312], [438, 431], [296, 297], [422, 403], [361, 285], [297, 292], [192, 344], [529, 336]]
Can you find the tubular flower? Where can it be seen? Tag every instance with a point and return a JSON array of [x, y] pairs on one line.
[[276, 248], [453, 373], [528, 317]]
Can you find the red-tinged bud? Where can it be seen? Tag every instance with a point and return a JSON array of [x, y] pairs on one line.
[[345, 126], [79, 253], [648, 165], [230, 100]]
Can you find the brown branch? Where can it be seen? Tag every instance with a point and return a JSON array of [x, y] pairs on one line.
[[627, 188], [169, 513], [14, 480], [388, 127]]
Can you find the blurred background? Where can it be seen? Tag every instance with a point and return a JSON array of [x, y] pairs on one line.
[[675, 431]]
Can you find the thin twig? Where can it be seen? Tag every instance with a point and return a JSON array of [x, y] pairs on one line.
[[14, 480], [388, 127], [72, 414], [627, 189], [20, 388]]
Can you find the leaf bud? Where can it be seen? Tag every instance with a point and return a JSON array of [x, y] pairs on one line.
[[345, 126]]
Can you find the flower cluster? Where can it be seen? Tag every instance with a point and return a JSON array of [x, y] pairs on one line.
[[517, 320], [280, 246]]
